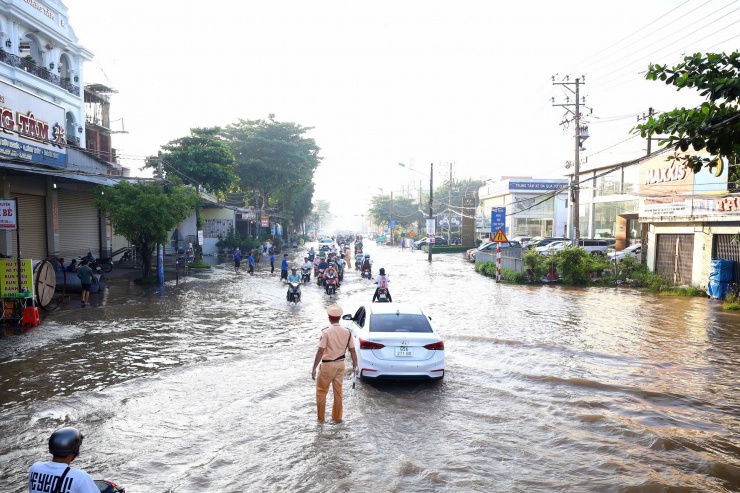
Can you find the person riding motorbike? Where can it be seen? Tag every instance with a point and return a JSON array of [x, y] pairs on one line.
[[367, 264], [382, 281], [331, 273], [316, 262], [293, 277], [307, 264], [323, 265], [358, 261], [64, 446], [311, 253]]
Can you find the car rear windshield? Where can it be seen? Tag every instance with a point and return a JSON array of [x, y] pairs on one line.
[[391, 322]]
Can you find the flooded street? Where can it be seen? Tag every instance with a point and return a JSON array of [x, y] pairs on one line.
[[206, 387]]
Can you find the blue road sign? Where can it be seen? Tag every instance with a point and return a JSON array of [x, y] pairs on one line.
[[393, 224], [498, 219]]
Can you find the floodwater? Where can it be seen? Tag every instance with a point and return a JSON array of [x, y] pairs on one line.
[[206, 387]]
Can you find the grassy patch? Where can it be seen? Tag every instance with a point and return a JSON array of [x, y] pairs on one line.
[[199, 264], [447, 249], [488, 269], [732, 302]]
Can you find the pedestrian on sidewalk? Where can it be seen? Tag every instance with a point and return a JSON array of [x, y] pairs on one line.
[[251, 263], [272, 263], [284, 267], [333, 345], [85, 273], [237, 259]]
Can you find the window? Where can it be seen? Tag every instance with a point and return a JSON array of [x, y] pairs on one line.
[[404, 322], [359, 317]]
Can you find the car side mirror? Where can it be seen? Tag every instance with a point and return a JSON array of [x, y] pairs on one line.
[[429, 317], [347, 317]]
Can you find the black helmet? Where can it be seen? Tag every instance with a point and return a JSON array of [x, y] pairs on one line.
[[65, 441], [382, 271]]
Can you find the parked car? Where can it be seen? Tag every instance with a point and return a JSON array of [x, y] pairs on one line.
[[631, 251], [438, 240], [396, 341], [521, 239], [545, 241], [493, 246], [592, 246]]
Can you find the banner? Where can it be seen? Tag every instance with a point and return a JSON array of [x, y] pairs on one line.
[[8, 215]]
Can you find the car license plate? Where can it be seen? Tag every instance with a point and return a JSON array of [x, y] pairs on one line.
[[403, 351]]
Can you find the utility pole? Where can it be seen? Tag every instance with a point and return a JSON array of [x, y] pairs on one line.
[[449, 210], [430, 222], [390, 224], [581, 134]]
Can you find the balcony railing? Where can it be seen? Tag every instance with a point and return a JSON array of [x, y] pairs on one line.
[[42, 72]]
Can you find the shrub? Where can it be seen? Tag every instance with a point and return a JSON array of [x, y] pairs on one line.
[[537, 263], [574, 265], [732, 302]]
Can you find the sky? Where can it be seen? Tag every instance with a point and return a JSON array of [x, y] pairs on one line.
[[388, 82]]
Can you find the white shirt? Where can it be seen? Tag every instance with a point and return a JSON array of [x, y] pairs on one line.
[[43, 476], [385, 280], [306, 265]]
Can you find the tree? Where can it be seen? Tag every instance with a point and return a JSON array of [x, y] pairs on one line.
[[144, 213], [715, 124], [404, 210], [318, 215], [201, 158], [276, 160]]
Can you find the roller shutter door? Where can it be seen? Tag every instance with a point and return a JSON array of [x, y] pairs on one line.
[[79, 224], [32, 220], [675, 257]]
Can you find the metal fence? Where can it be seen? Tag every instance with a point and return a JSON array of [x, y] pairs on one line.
[[510, 260]]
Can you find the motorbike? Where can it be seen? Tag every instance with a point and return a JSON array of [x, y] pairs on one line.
[[340, 273], [106, 486], [98, 265], [382, 295], [294, 292], [330, 284], [366, 274], [320, 277], [311, 256], [306, 274]]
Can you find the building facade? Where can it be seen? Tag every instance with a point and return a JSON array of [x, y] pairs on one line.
[[47, 116], [534, 207]]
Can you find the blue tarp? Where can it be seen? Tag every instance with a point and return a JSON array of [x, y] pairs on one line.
[[720, 277]]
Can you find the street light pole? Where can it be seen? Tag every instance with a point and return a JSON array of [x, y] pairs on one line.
[[431, 217]]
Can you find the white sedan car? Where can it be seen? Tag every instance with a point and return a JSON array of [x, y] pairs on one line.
[[396, 341], [631, 251]]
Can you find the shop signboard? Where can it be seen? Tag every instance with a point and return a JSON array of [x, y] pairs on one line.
[[265, 221], [8, 214], [31, 128], [9, 273]]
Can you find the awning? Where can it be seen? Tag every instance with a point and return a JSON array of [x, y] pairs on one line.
[[63, 175]]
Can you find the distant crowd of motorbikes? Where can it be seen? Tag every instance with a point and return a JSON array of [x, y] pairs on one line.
[[328, 266]]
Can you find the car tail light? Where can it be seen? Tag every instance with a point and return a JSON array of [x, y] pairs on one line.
[[436, 346], [370, 345]]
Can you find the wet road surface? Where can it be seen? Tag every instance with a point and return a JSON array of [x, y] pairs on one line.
[[206, 386]]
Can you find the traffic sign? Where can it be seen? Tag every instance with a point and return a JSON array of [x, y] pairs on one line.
[[498, 218], [499, 236], [393, 224], [412, 234]]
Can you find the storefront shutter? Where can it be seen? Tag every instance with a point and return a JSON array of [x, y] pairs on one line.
[[79, 224], [32, 220], [675, 268]]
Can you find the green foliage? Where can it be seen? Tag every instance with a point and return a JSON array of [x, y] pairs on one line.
[[731, 302], [144, 213], [201, 158], [537, 263], [574, 265], [404, 210], [233, 239], [199, 264], [276, 161], [489, 269], [715, 125]]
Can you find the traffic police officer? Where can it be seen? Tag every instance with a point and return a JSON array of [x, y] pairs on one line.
[[333, 345]]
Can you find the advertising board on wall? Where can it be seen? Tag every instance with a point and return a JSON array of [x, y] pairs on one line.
[[672, 189], [31, 128]]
